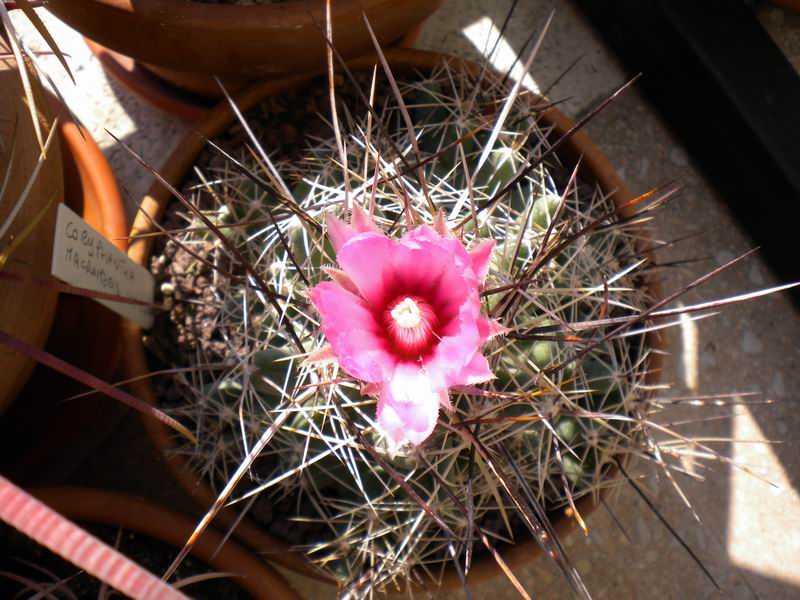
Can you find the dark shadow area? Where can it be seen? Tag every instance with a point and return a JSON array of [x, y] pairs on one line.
[[729, 94]]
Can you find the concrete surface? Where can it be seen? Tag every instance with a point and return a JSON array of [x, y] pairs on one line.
[[748, 535]]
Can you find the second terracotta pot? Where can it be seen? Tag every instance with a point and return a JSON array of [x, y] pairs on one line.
[[41, 435], [26, 313], [180, 40]]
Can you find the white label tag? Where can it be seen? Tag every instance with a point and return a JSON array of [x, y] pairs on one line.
[[84, 258]]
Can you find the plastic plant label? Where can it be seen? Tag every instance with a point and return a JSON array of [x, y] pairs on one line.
[[84, 258]]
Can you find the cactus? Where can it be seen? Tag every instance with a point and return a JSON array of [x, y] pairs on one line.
[[565, 404]]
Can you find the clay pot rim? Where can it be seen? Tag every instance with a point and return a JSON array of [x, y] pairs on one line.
[[168, 526], [593, 163], [176, 38], [222, 17], [79, 142]]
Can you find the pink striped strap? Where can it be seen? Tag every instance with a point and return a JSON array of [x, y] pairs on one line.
[[60, 535]]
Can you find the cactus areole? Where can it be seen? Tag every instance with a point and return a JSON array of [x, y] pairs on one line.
[[403, 316]]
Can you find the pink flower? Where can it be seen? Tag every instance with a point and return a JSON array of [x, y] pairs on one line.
[[403, 316]]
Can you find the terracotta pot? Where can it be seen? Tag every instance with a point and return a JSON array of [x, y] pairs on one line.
[[41, 433], [179, 40], [594, 166], [25, 312], [140, 516], [188, 96]]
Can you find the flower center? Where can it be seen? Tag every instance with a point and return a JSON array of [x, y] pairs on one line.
[[407, 313], [411, 326]]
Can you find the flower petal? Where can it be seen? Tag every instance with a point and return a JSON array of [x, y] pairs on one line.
[[340, 309], [461, 340], [360, 222], [418, 268], [453, 292], [370, 389], [408, 406], [341, 278], [452, 246], [321, 355], [338, 232], [367, 260], [352, 332], [364, 355], [489, 329], [444, 402], [440, 224], [476, 371], [481, 256], [422, 233]]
